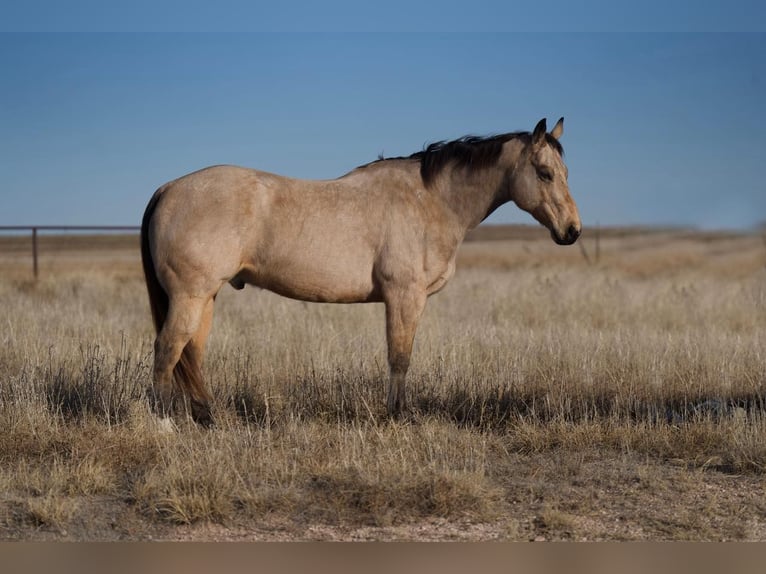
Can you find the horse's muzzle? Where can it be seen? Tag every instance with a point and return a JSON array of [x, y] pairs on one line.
[[568, 238]]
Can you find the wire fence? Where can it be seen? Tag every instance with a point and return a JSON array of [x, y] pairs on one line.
[[36, 230], [20, 247]]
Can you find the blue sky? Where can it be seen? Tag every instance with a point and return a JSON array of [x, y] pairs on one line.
[[661, 128]]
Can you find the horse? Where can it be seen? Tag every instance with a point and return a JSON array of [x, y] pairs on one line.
[[387, 231]]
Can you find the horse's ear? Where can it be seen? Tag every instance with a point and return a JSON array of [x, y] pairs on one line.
[[558, 129], [538, 136]]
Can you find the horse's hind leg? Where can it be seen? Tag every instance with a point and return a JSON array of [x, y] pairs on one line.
[[183, 321], [200, 398]]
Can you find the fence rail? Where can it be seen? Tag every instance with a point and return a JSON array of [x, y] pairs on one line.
[[34, 229]]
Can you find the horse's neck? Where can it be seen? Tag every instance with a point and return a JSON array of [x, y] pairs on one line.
[[472, 197]]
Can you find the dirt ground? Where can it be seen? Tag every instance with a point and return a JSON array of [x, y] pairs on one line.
[[608, 498]]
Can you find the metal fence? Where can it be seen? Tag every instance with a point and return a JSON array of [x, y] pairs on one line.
[[35, 229]]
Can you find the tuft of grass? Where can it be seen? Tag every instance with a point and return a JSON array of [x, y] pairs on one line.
[[50, 511]]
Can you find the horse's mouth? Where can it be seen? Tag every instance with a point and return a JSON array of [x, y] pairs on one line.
[[568, 238]]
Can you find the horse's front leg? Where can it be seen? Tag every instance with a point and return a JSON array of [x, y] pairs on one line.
[[404, 307]]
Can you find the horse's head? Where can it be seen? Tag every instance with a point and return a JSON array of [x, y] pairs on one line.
[[539, 184]]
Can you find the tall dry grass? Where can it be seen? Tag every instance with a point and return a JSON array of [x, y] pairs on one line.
[[532, 373]]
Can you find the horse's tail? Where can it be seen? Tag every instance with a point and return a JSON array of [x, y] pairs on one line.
[[187, 372], [158, 299]]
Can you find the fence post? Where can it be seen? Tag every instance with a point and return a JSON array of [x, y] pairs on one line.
[[34, 250], [598, 242]]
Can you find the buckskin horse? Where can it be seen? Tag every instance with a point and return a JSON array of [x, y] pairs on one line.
[[387, 231]]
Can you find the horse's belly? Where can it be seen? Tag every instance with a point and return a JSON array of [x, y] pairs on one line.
[[321, 289], [328, 281]]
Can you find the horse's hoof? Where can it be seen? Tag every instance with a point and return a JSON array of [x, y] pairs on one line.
[[201, 415], [401, 414]]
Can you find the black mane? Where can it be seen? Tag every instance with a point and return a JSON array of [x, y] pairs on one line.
[[471, 152]]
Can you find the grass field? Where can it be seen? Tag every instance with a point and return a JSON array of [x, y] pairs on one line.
[[554, 398]]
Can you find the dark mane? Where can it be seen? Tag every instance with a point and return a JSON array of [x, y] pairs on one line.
[[471, 152]]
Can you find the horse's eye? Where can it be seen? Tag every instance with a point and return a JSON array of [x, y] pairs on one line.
[[545, 174]]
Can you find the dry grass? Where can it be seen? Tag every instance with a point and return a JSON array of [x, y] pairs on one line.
[[553, 399]]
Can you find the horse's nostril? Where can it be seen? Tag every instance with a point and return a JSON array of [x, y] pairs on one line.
[[573, 233]]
